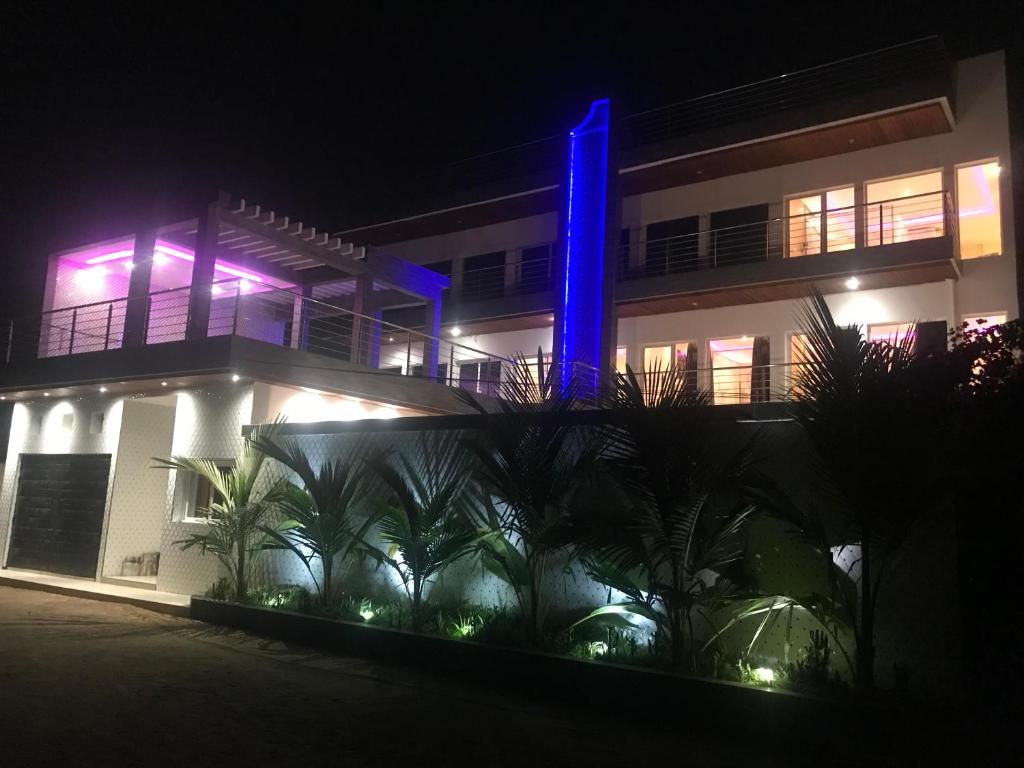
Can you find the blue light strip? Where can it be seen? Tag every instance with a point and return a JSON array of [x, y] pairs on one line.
[[582, 310]]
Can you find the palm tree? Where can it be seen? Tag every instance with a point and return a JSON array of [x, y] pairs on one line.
[[425, 524], [319, 516], [531, 459], [874, 412], [235, 534], [669, 537]]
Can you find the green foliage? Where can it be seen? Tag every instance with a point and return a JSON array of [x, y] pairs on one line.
[[235, 532], [531, 461], [318, 524], [665, 528], [850, 394], [424, 522], [284, 597]]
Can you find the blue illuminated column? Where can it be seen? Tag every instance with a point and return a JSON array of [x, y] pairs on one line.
[[584, 313]]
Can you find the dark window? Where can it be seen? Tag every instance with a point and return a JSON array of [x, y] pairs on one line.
[[484, 378], [441, 267], [622, 271], [442, 372], [739, 235], [672, 246], [535, 269], [483, 276]]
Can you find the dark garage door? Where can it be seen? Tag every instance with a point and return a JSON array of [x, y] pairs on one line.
[[58, 513]]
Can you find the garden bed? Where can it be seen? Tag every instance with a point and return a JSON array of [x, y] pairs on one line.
[[652, 694]]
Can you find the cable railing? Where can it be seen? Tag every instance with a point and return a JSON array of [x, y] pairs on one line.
[[885, 222]]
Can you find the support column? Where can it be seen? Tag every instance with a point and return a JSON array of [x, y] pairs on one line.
[[202, 275], [704, 255], [300, 319], [362, 327], [859, 219], [432, 329], [136, 313]]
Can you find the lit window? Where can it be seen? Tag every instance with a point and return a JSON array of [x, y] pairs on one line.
[[683, 351], [977, 196], [731, 361], [798, 358], [657, 359], [194, 495], [805, 220], [893, 333], [620, 359], [981, 322], [904, 209]]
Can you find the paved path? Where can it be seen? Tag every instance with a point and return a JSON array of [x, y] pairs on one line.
[[84, 683]]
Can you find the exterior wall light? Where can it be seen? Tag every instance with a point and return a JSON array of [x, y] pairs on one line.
[[852, 284]]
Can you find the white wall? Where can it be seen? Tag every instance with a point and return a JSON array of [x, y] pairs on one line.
[[39, 426], [982, 133], [138, 498], [208, 424]]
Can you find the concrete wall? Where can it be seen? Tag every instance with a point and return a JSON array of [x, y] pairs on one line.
[[207, 424], [40, 426], [139, 495], [987, 285]]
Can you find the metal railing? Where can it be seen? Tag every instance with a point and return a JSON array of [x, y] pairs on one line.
[[885, 222], [531, 270]]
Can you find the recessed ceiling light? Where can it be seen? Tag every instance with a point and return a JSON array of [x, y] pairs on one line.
[[235, 377], [46, 394], [455, 331], [163, 383], [391, 338], [852, 284], [103, 389], [3, 397]]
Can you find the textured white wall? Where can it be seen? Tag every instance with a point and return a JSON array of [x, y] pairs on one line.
[[39, 426], [139, 495], [208, 424]]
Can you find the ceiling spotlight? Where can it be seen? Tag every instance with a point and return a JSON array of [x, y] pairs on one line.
[[391, 338], [235, 377], [103, 389], [455, 331], [3, 397], [160, 259], [852, 284], [46, 394], [163, 383]]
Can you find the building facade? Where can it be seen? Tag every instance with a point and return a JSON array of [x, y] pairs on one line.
[[881, 181]]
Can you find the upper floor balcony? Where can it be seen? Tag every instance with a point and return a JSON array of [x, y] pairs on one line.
[[824, 238]]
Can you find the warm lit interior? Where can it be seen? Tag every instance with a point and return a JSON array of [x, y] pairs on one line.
[[977, 193], [904, 209], [980, 322], [893, 333], [657, 359], [731, 361], [620, 359], [805, 222]]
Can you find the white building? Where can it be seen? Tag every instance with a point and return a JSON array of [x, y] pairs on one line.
[[882, 181]]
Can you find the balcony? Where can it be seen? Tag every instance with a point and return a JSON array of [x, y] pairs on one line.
[[259, 331], [897, 241]]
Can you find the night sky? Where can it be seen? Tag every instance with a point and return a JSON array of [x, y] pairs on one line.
[[347, 117]]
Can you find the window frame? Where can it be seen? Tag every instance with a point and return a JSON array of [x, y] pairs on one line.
[[185, 513], [821, 195], [999, 209]]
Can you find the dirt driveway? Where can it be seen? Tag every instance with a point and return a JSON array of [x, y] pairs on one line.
[[87, 683]]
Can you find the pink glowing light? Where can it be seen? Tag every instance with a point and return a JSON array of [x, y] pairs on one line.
[[112, 256], [163, 250]]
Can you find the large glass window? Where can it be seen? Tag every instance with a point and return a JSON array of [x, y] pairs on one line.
[[893, 333], [805, 222], [620, 359], [731, 361], [904, 209], [977, 195], [981, 322]]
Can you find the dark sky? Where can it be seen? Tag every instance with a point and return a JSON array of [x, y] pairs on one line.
[[342, 117]]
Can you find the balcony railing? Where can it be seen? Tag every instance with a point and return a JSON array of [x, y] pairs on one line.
[[885, 222]]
